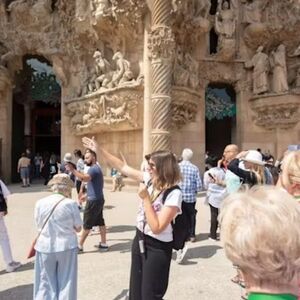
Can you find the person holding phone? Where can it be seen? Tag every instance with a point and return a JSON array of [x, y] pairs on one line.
[[215, 194], [152, 246]]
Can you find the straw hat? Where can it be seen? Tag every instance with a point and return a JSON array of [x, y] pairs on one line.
[[61, 179], [254, 157]]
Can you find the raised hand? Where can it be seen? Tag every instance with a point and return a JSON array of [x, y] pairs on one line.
[[90, 143]]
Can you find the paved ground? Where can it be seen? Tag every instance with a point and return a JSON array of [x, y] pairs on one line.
[[204, 275]]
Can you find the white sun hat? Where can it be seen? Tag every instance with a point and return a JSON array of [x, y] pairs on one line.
[[254, 157]]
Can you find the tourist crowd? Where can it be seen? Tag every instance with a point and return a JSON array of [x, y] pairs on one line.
[[253, 201]]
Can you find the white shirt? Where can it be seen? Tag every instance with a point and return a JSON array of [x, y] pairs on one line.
[[215, 193], [5, 190], [173, 199], [59, 233]]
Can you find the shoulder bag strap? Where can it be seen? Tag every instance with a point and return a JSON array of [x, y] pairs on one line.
[[50, 214]]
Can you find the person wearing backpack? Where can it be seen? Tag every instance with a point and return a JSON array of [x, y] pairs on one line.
[[154, 240]]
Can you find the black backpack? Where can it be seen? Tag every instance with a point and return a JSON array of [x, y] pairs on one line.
[[180, 224]]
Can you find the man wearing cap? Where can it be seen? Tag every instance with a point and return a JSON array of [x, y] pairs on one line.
[[93, 212]]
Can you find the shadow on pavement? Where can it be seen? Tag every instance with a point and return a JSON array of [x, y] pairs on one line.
[[122, 295], [109, 206], [202, 251], [120, 228], [201, 237], [25, 267], [23, 292], [121, 247]]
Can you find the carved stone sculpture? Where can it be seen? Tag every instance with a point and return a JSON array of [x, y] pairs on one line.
[[261, 66], [103, 71], [100, 8], [252, 11], [225, 21], [123, 72], [278, 63], [104, 111], [82, 8], [202, 8]]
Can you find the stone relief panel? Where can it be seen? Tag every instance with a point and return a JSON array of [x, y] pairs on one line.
[[184, 106], [277, 111], [270, 21], [117, 110]]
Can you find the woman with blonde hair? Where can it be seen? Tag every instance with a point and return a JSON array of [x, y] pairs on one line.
[[289, 178], [152, 246], [249, 166], [260, 231]]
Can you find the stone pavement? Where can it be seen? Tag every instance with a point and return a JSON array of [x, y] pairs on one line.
[[205, 274]]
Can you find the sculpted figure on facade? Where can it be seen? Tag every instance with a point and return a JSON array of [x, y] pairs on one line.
[[19, 11], [123, 73], [82, 9], [225, 21], [103, 71], [252, 11], [180, 74], [186, 70], [193, 67], [100, 8], [279, 69], [261, 67], [202, 8]]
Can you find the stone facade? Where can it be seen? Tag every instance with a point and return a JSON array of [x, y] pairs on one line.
[[134, 73]]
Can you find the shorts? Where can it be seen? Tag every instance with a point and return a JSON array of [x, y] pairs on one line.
[[24, 172], [93, 214]]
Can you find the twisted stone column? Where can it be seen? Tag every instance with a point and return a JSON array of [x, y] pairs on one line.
[[161, 47]]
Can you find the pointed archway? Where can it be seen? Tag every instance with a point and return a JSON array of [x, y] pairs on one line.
[[36, 117]]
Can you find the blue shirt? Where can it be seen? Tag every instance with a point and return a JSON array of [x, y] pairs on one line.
[[191, 183], [95, 185]]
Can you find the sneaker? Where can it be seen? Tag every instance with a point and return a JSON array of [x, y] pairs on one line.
[[102, 247], [13, 266], [192, 239], [181, 254], [80, 249]]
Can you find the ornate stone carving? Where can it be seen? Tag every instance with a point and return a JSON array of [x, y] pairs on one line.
[[261, 65], [225, 21], [278, 64], [186, 70], [102, 76], [225, 28], [161, 43], [276, 111], [115, 110], [184, 106]]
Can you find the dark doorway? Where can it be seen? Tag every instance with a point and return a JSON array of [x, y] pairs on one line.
[[213, 42], [220, 117], [36, 119]]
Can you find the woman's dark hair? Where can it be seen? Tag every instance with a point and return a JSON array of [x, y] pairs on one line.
[[77, 153], [167, 169]]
